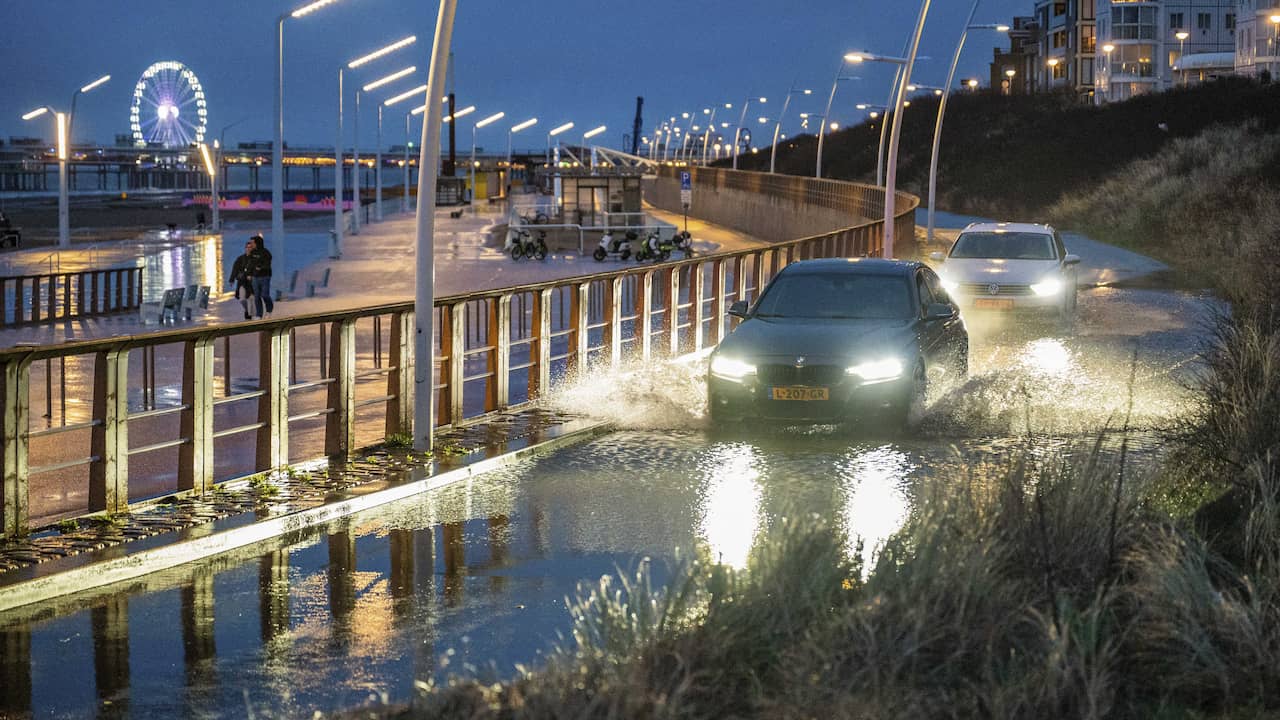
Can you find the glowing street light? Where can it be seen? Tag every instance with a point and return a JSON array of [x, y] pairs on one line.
[[554, 132], [587, 136], [822, 129], [942, 106], [777, 127], [476, 126], [277, 241], [861, 57], [513, 130], [737, 133]]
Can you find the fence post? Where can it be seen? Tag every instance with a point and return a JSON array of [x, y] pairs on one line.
[[340, 426], [16, 380], [195, 457], [673, 311], [580, 320], [500, 339], [457, 359], [273, 404], [613, 306], [540, 348], [109, 471], [717, 302], [400, 375], [696, 313], [644, 324]]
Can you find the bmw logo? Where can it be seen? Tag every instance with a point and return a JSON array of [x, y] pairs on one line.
[[993, 289]]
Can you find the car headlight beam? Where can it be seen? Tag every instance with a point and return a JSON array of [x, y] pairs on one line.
[[877, 370], [949, 285], [1047, 286], [731, 368]]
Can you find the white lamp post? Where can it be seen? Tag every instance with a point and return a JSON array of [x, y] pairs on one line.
[[479, 124], [1009, 73], [554, 132], [891, 170], [942, 107], [711, 124], [822, 129], [404, 162], [737, 133], [1182, 36], [71, 116], [511, 131], [777, 127], [587, 136], [339, 168], [60, 132], [213, 178], [892, 103], [424, 290], [1108, 49], [277, 147], [377, 173]]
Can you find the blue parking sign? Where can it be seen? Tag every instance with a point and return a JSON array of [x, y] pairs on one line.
[[686, 180]]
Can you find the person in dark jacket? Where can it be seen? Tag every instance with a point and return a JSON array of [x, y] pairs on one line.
[[242, 278], [260, 269]]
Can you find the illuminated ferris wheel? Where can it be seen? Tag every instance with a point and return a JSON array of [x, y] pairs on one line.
[[168, 107]]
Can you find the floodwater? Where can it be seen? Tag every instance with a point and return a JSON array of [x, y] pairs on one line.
[[474, 578]]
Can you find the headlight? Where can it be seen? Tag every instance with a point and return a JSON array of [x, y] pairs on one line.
[[731, 368], [877, 370], [949, 285], [1048, 286]]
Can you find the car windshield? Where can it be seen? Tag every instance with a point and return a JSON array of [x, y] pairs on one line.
[[1006, 245], [844, 296]]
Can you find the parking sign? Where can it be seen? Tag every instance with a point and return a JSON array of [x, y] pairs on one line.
[[686, 188]]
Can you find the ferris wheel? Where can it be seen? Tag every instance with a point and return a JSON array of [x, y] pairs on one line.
[[168, 107]]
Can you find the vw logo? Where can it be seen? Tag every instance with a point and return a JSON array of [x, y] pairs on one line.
[[993, 289], [800, 361]]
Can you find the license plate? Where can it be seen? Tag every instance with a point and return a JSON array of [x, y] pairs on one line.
[[991, 304], [799, 393]]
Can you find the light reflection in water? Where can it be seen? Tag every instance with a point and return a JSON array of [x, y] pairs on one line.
[[731, 504], [878, 503], [1048, 357]]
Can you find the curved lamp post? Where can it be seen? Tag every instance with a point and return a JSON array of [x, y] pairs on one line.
[[511, 131], [942, 106], [822, 129], [475, 127], [777, 126], [711, 124], [737, 133]]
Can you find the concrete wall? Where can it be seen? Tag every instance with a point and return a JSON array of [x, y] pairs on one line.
[[779, 207]]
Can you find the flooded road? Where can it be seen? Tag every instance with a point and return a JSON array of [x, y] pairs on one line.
[[475, 577]]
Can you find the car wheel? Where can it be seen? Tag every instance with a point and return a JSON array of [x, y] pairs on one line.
[[913, 402]]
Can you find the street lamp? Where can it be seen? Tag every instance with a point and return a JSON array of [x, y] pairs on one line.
[[377, 151], [71, 116], [737, 133], [213, 178], [891, 169], [587, 136], [857, 57], [777, 127], [711, 123], [339, 167], [60, 131], [277, 147], [817, 167], [942, 107], [513, 130], [1108, 49], [408, 121], [479, 124], [1009, 73], [554, 132], [1182, 36]]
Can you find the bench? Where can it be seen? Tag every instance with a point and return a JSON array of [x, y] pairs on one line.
[[169, 307], [323, 283], [195, 299], [312, 285]]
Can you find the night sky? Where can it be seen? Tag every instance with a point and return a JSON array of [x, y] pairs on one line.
[[558, 60]]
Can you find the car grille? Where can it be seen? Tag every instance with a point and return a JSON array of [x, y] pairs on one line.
[[971, 288], [811, 375]]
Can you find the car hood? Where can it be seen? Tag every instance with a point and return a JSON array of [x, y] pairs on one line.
[[763, 339], [1010, 272]]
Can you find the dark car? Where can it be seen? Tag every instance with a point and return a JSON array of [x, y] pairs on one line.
[[837, 340]]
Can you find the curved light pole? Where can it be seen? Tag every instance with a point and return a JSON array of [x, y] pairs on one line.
[[737, 133], [554, 132], [377, 150], [475, 127], [587, 136], [890, 105], [408, 117], [60, 132], [777, 126], [822, 129], [277, 147], [891, 169], [71, 116], [511, 131], [711, 124], [942, 107]]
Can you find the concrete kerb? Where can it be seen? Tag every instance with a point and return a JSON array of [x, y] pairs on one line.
[[97, 575]]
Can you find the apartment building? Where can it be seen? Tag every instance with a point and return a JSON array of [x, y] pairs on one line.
[[1067, 45], [1151, 45], [1257, 38]]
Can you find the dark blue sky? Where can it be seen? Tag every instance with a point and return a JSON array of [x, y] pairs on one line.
[[559, 60]]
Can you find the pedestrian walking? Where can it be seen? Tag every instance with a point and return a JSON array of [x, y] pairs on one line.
[[260, 269], [242, 278]]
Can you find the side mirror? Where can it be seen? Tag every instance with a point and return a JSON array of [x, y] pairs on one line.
[[739, 309], [938, 256], [1071, 260], [939, 311]]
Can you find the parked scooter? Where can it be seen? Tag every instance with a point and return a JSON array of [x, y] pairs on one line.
[[613, 247], [521, 245], [684, 243], [655, 248]]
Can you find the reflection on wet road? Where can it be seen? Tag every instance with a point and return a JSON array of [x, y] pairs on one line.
[[477, 574]]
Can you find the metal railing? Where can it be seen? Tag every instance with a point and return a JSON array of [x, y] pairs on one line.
[[29, 299], [215, 403]]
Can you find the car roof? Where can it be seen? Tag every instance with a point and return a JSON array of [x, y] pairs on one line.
[[1008, 227], [852, 266]]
